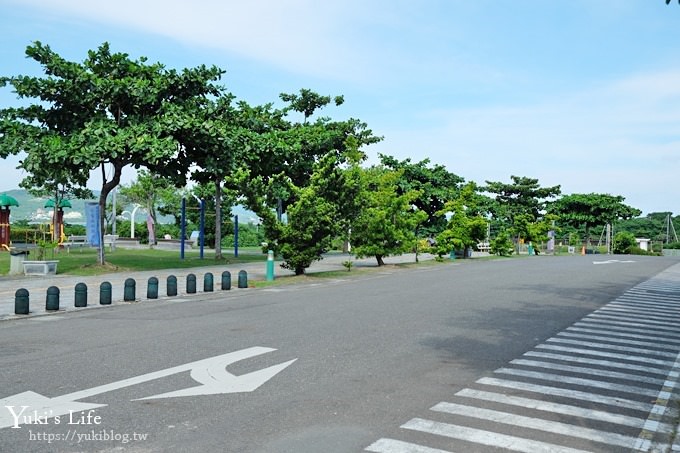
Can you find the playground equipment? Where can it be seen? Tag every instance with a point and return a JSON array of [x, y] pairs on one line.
[[5, 202], [58, 221]]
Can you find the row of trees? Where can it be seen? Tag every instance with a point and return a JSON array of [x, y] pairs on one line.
[[111, 111]]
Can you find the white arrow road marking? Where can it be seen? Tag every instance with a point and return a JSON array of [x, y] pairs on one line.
[[28, 406], [216, 379]]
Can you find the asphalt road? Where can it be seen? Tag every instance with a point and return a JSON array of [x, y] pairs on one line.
[[368, 355]]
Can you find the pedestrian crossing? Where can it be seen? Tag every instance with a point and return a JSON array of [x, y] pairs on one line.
[[605, 384]]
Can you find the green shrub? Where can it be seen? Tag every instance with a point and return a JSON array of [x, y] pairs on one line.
[[502, 245], [624, 242]]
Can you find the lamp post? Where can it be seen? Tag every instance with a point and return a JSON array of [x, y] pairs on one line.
[[132, 218], [201, 230]]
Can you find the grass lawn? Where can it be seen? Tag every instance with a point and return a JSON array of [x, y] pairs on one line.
[[84, 261]]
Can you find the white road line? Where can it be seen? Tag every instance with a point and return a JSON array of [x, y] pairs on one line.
[[397, 446], [567, 393], [618, 340], [644, 307], [616, 327], [646, 297], [660, 329], [486, 437], [611, 347], [536, 423], [655, 291], [637, 313], [579, 381], [589, 371], [608, 354], [643, 322], [556, 408], [607, 363], [612, 333]]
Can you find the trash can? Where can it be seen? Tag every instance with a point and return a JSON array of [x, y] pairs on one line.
[[16, 261]]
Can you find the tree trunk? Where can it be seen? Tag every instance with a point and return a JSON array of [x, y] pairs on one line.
[[299, 270], [379, 258], [107, 187], [218, 219]]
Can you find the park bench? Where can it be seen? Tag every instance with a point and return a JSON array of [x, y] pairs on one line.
[[75, 241], [172, 244], [110, 240]]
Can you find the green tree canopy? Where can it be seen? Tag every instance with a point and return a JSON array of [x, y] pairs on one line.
[[435, 184], [107, 112], [592, 209], [522, 196], [387, 222], [465, 226]]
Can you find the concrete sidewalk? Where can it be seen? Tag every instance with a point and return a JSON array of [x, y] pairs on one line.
[[37, 285]]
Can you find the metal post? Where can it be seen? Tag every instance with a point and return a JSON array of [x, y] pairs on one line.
[[270, 266], [183, 228], [202, 231], [235, 236]]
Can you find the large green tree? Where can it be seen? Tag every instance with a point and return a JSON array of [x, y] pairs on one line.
[[215, 136], [313, 219], [107, 112], [465, 226], [435, 184], [591, 210], [387, 222], [282, 145], [522, 196], [148, 190]]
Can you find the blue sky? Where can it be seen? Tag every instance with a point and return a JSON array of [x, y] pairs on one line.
[[580, 93]]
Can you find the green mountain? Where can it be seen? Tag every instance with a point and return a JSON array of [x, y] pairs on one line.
[[33, 209]]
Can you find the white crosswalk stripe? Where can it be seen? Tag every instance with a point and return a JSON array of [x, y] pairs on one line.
[[603, 384]]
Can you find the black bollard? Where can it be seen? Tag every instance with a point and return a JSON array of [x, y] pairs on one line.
[[80, 299], [52, 301], [191, 284], [208, 282], [129, 290], [226, 280], [105, 293], [242, 279], [21, 301], [152, 288], [172, 285]]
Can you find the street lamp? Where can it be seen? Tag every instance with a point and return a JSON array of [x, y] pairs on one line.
[[132, 218]]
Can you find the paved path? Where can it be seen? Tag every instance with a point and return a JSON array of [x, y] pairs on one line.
[[37, 285]]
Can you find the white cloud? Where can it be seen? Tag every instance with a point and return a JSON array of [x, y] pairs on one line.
[[301, 36], [622, 138]]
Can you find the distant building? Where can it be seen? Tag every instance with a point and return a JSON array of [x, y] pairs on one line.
[[643, 243]]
